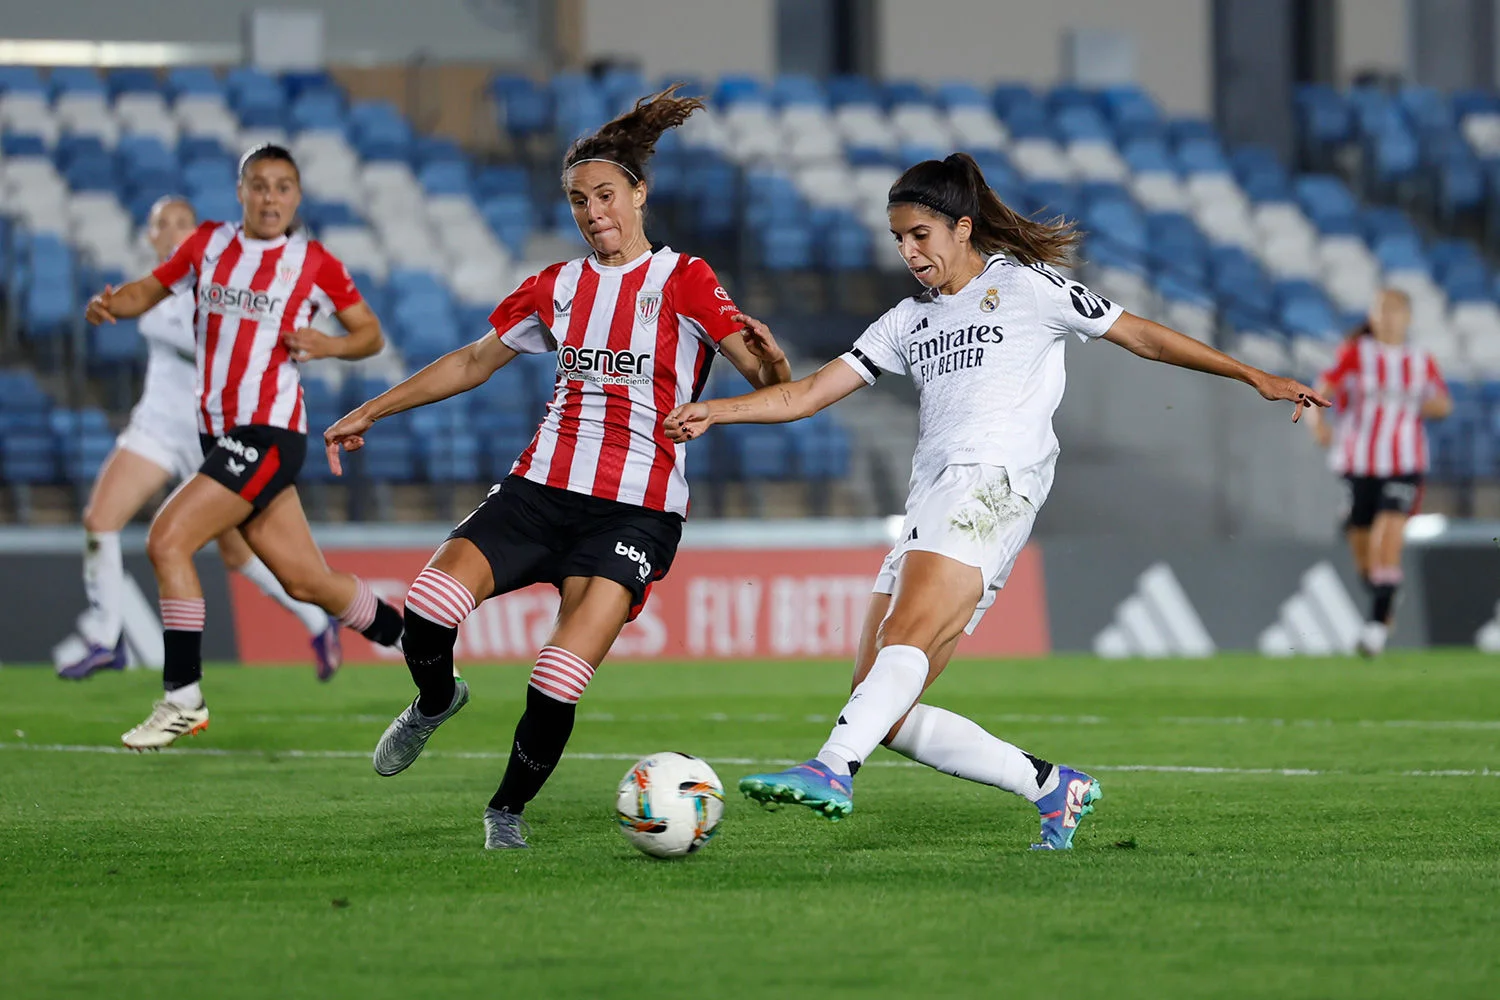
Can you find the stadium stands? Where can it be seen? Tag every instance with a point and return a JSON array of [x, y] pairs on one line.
[[1229, 245], [432, 238]]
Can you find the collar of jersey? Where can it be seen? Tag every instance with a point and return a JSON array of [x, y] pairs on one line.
[[938, 296], [621, 268], [251, 243]]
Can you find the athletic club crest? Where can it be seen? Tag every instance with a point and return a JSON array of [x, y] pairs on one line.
[[647, 306]]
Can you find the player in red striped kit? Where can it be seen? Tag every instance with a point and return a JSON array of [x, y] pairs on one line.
[[258, 285], [595, 504], [1384, 389]]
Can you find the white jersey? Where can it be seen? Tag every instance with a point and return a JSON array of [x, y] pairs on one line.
[[172, 370], [988, 365]]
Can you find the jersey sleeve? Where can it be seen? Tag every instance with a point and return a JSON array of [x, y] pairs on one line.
[[1436, 384], [701, 299], [1345, 364], [877, 350], [1067, 306], [518, 321], [334, 281], [179, 271]]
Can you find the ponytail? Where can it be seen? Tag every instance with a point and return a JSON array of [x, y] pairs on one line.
[[629, 140], [955, 187]]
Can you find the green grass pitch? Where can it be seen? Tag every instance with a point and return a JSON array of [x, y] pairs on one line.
[[1269, 829]]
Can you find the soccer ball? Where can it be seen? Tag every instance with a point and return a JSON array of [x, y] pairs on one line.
[[669, 804]]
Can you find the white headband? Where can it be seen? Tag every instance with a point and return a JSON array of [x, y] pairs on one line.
[[615, 163]]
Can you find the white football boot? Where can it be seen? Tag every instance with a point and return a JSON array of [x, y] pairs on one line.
[[165, 723]]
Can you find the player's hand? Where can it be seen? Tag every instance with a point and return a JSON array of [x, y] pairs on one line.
[[1275, 387], [688, 421], [100, 307], [758, 339], [310, 343], [348, 432], [1323, 434]]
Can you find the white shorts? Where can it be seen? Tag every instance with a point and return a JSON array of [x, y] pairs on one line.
[[163, 427], [970, 515]]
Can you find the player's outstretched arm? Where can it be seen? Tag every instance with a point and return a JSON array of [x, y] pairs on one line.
[[125, 302], [755, 353], [1155, 342], [777, 404], [455, 372]]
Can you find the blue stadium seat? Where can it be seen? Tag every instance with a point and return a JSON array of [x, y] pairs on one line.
[[446, 177], [852, 90], [761, 451], [820, 449], [21, 79], [388, 455], [785, 247], [28, 457], [133, 80], [76, 80], [183, 80]]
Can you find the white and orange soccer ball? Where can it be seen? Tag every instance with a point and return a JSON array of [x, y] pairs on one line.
[[669, 804]]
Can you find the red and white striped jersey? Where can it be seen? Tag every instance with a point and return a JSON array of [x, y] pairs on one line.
[[1379, 390], [249, 293], [632, 343]]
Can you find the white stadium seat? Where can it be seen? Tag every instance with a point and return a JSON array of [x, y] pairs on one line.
[[1160, 191], [977, 129], [1041, 160]]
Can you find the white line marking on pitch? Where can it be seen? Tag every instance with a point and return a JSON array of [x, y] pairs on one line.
[[1285, 772]]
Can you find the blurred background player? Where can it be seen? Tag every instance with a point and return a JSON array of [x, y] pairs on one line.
[[595, 504], [158, 446], [984, 344], [257, 285], [1385, 389]]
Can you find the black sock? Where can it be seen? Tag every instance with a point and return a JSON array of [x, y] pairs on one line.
[[1380, 607], [182, 658], [387, 627], [1044, 768], [429, 657], [540, 737]]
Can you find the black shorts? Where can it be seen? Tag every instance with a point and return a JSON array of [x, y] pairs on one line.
[[1366, 496], [255, 461], [532, 533]]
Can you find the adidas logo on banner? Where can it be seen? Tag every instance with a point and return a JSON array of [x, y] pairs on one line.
[[1157, 620], [1320, 619], [1487, 639]]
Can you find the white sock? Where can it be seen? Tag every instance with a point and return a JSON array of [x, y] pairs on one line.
[[104, 583], [187, 697], [313, 618], [954, 745], [892, 686]]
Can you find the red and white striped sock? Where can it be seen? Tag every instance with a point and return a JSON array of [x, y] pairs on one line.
[[360, 615], [439, 598], [182, 614], [560, 674]]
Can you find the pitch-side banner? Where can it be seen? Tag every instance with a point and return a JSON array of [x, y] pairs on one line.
[[715, 604]]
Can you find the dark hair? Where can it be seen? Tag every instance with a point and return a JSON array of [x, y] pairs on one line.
[[955, 188], [630, 139], [267, 151]]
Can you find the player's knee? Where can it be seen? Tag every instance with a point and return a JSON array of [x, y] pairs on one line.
[[94, 522], [165, 546], [305, 587]]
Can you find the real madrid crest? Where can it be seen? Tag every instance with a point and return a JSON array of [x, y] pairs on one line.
[[647, 306], [991, 300]]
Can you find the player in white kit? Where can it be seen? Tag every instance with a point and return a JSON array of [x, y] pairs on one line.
[[160, 445], [984, 343]]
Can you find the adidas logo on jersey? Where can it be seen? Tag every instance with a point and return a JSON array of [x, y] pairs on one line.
[[1319, 619], [1156, 621], [240, 302], [601, 365]]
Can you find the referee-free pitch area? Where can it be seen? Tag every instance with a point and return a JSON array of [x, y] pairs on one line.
[[1277, 829]]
